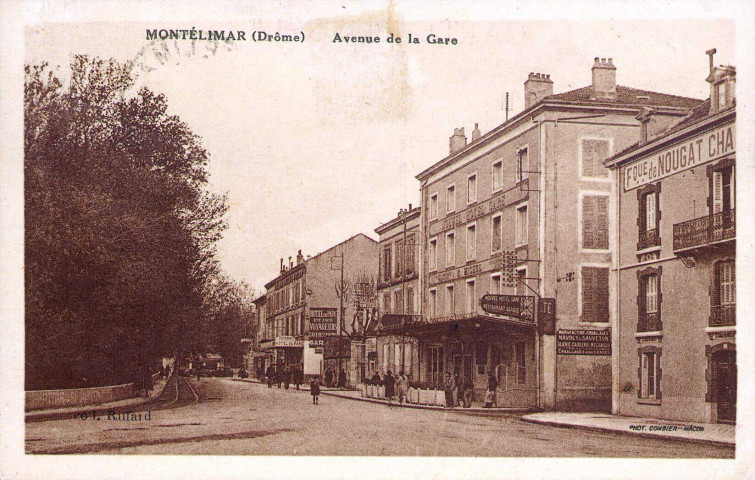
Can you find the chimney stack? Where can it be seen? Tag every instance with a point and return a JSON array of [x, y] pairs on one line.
[[604, 80], [299, 258], [410, 207], [457, 141], [290, 263], [282, 270], [475, 134], [537, 87]]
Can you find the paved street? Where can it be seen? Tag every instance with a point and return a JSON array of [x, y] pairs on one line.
[[222, 416]]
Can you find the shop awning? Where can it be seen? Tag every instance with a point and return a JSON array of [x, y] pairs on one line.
[[452, 325]]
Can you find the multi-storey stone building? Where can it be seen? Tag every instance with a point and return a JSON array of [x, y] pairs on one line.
[[524, 210], [303, 305], [398, 291], [675, 282]]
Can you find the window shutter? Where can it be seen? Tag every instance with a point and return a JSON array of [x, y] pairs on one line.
[[601, 223], [601, 294], [588, 222], [718, 203], [588, 297]]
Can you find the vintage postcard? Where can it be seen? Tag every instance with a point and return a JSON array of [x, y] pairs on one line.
[[328, 240]]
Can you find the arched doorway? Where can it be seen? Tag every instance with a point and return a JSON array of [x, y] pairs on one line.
[[724, 365]]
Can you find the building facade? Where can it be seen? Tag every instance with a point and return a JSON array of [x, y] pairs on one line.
[[524, 211], [675, 277], [398, 293], [313, 299]]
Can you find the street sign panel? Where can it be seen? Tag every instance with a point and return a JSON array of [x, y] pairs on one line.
[[546, 316], [518, 306]]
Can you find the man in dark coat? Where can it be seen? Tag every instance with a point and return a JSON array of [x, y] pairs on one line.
[[328, 377], [342, 379], [390, 386], [449, 387], [286, 376], [297, 377], [314, 388], [270, 375]]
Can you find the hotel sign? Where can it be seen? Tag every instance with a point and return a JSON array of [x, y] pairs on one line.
[[518, 306], [505, 262], [690, 153], [323, 322], [583, 342]]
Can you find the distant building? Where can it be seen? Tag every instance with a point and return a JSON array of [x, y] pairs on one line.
[[675, 280], [525, 210], [302, 308], [398, 292]]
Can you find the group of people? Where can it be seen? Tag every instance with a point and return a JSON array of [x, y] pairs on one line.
[[331, 380], [283, 375], [395, 386], [459, 393]]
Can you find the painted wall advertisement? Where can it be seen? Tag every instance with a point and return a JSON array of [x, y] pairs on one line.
[[583, 342], [323, 322]]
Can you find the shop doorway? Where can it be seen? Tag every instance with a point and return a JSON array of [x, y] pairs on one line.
[[725, 375], [463, 367]]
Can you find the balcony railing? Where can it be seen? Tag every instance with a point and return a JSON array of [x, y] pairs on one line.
[[723, 315], [648, 238], [705, 230], [649, 322]]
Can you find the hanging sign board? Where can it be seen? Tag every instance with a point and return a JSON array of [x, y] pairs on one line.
[[518, 306]]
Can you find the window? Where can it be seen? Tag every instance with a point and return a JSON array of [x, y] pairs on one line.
[[411, 245], [723, 193], [407, 366], [594, 151], [497, 176], [433, 208], [521, 277], [451, 198], [471, 242], [721, 95], [497, 233], [433, 255], [398, 303], [471, 297], [387, 263], [521, 226], [649, 300], [594, 294], [435, 365], [301, 323], [726, 275], [433, 303], [495, 284], [387, 303], [450, 300], [521, 364], [595, 222], [472, 188], [481, 357], [649, 216], [650, 373], [410, 300], [523, 164], [450, 250], [399, 268]]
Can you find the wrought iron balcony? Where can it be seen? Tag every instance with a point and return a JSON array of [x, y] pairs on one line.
[[723, 315], [648, 239], [704, 231], [649, 322]]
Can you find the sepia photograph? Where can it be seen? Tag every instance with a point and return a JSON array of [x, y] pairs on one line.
[[373, 231]]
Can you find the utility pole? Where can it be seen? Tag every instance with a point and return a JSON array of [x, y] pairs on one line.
[[402, 266]]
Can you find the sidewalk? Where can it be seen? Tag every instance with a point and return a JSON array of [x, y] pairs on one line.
[[68, 412], [706, 433], [357, 395]]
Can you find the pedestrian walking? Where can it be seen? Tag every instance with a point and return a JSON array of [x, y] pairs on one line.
[[458, 391], [449, 387], [328, 377], [402, 386], [490, 394], [314, 388], [297, 377], [199, 372], [286, 376], [390, 384], [279, 375], [270, 374], [342, 379]]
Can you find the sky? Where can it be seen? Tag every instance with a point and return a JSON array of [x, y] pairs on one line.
[[317, 141]]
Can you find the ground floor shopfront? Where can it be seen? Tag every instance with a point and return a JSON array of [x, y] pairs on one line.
[[471, 347]]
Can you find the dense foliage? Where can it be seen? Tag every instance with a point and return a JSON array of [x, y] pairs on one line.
[[120, 232]]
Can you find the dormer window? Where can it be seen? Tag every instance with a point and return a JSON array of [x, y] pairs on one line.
[[721, 95]]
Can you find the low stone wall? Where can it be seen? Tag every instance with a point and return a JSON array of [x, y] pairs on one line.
[[77, 397]]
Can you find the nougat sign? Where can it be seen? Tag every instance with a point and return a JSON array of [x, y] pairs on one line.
[[695, 151]]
